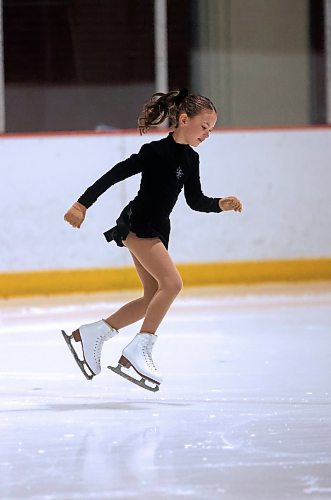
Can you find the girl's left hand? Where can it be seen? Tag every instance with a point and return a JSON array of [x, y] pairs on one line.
[[230, 203]]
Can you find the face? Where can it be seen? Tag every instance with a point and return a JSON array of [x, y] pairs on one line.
[[195, 130]]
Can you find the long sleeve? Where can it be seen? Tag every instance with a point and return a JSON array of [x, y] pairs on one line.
[[122, 170], [194, 195]]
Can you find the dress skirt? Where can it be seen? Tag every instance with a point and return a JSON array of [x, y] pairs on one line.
[[129, 221]]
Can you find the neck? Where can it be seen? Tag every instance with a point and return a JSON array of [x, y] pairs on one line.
[[178, 137]]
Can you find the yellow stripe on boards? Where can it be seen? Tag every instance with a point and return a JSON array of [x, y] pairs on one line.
[[67, 281], [256, 271], [214, 273]]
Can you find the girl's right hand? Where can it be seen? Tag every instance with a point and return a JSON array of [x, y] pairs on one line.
[[75, 215]]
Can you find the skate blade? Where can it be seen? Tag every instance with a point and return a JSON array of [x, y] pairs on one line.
[[81, 363], [141, 382]]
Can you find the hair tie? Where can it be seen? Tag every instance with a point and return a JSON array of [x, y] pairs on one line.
[[181, 96]]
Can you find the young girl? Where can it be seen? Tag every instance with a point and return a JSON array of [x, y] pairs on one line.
[[166, 167]]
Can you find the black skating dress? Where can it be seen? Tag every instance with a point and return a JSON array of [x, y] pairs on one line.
[[166, 167]]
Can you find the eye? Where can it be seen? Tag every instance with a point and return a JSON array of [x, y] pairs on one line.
[[204, 127]]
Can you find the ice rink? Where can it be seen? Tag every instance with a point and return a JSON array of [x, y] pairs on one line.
[[244, 411]]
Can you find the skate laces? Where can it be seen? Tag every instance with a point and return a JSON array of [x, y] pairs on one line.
[[147, 352], [99, 341]]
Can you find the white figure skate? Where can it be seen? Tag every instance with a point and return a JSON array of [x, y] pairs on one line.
[[91, 337], [138, 355]]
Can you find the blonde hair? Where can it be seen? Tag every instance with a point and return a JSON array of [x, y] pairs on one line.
[[170, 105]]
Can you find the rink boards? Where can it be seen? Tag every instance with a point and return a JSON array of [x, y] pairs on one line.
[[282, 177]]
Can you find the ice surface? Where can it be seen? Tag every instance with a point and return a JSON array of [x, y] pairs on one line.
[[244, 411]]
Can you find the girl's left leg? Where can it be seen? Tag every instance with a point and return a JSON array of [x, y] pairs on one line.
[[154, 258]]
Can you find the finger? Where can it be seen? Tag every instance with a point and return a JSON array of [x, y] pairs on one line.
[[72, 221]]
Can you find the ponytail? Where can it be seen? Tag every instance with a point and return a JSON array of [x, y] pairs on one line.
[[162, 106]]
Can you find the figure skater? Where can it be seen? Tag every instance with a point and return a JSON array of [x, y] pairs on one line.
[[166, 167]]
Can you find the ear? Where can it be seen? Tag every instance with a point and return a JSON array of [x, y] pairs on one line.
[[183, 119]]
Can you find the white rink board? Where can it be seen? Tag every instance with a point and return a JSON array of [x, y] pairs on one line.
[[283, 178]]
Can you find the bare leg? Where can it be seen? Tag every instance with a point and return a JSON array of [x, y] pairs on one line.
[[155, 259], [136, 309]]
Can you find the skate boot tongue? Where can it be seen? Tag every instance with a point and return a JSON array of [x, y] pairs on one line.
[[148, 338]]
